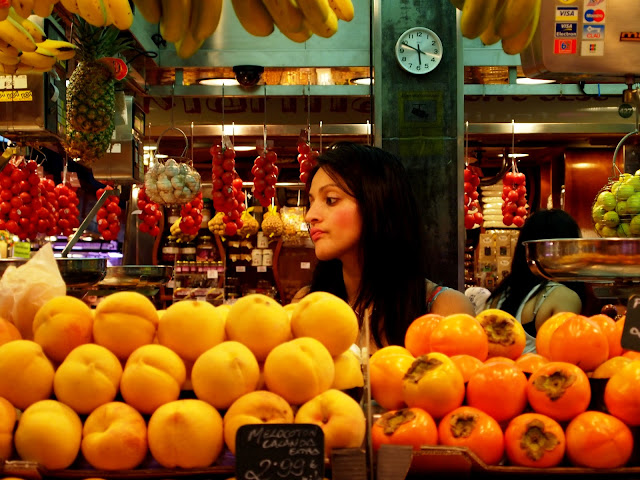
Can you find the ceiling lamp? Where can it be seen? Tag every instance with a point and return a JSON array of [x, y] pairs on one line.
[[218, 81], [532, 81], [515, 155]]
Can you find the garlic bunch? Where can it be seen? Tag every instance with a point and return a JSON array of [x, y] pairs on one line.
[[171, 182]]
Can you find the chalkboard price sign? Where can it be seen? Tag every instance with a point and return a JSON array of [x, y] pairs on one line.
[[278, 451], [631, 334]]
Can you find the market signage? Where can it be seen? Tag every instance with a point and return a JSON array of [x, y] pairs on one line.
[[278, 451], [631, 334]]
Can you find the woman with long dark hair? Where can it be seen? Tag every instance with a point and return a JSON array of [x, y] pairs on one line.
[[528, 297], [368, 237]]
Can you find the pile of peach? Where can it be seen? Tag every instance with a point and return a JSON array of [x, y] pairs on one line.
[[110, 383], [464, 381]]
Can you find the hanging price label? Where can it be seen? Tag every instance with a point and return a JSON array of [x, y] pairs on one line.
[[117, 66]]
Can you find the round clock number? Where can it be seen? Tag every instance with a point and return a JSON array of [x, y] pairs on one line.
[[419, 50]]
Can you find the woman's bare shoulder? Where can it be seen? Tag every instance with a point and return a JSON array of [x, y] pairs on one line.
[[300, 294]]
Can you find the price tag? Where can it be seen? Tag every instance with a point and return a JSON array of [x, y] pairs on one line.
[[305, 265], [117, 66], [631, 333], [22, 249], [261, 269], [212, 273], [278, 451], [241, 269], [16, 96]]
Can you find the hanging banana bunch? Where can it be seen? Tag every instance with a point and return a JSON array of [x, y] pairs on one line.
[[512, 21], [101, 13], [24, 47]]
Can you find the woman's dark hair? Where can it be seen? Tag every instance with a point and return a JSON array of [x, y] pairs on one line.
[[393, 262], [543, 224]]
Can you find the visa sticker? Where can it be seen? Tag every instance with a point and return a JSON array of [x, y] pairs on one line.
[[566, 30], [566, 14]]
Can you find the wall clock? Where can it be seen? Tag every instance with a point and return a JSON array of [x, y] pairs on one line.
[[419, 50]]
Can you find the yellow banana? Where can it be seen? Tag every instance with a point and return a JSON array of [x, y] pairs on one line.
[[23, 7], [120, 13], [61, 49], [8, 49], [151, 10], [43, 8], [71, 6], [299, 37], [175, 19], [4, 13], [475, 16], [343, 9], [515, 17], [254, 17], [188, 45], [16, 35], [41, 58], [319, 17], [33, 28], [205, 17], [489, 36], [8, 69], [285, 14], [9, 59], [517, 43], [93, 11]]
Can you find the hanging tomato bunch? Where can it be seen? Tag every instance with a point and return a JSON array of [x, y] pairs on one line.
[[472, 216], [48, 214], [191, 216], [227, 194], [514, 196], [306, 159], [67, 209], [265, 175], [150, 214], [109, 215]]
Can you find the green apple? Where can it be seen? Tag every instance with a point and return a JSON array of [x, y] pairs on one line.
[[615, 186], [625, 191], [624, 230], [597, 213], [633, 204], [611, 219], [621, 208], [634, 182], [607, 200], [634, 226], [609, 232]]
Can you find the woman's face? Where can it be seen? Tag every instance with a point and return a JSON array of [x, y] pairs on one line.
[[334, 219]]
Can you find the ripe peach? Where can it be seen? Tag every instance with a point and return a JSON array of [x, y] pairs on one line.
[[7, 423], [310, 319], [152, 376], [62, 324], [185, 434], [49, 432], [259, 322], [8, 331], [256, 407], [88, 377], [340, 417], [348, 371], [223, 310], [190, 328], [123, 322], [299, 369], [114, 437], [224, 373], [26, 374]]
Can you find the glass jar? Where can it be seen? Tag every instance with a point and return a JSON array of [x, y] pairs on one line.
[[170, 250], [206, 212], [205, 248], [188, 252], [174, 215]]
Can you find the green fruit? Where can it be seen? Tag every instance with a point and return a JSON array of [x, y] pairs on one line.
[[597, 214], [634, 182], [621, 208], [624, 230], [611, 219], [625, 191], [633, 204], [609, 232], [634, 226], [607, 200], [615, 186]]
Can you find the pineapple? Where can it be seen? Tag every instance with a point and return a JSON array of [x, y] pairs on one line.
[[91, 92]]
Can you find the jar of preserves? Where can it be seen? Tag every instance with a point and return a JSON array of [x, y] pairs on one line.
[[205, 249], [174, 214], [206, 212], [170, 250], [188, 252]]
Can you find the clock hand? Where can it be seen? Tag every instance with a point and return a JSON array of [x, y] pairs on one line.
[[407, 45], [420, 52]]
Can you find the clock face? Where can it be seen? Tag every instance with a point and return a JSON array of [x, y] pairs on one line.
[[419, 50]]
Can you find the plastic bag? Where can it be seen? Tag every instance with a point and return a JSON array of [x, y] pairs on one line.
[[23, 290]]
